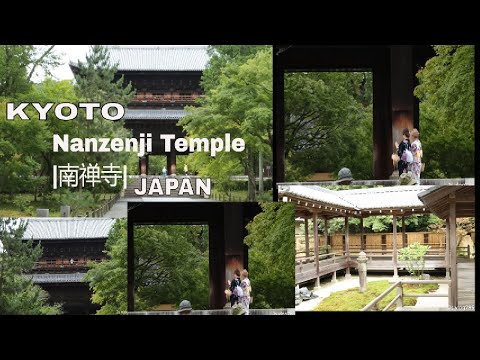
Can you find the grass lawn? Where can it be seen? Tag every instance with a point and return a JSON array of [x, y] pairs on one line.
[[354, 300], [11, 208]]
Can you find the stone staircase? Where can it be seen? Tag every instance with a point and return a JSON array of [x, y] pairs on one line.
[[130, 191]]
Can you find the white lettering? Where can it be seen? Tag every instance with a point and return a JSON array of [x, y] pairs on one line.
[[11, 111], [201, 186], [117, 115], [42, 111], [156, 187], [168, 141], [217, 145], [238, 145], [61, 106], [89, 109], [186, 187], [181, 145], [171, 184], [57, 141], [143, 190]]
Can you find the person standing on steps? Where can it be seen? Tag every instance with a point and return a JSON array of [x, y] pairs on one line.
[[401, 148], [233, 284], [416, 149]]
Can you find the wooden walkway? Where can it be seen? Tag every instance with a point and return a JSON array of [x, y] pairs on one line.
[[466, 283]]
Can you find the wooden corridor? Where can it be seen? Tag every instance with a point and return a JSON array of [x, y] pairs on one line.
[[466, 283]]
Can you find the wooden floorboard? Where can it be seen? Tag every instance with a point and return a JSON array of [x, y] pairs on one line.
[[466, 283]]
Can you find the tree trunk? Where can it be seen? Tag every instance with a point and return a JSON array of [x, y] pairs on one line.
[[251, 176]]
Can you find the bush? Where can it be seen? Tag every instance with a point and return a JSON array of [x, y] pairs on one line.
[[414, 256], [21, 202]]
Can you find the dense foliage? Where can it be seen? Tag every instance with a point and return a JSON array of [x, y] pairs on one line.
[[18, 294], [271, 256], [447, 95], [328, 124], [237, 100], [171, 264]]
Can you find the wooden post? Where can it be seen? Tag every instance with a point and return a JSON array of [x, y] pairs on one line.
[[326, 235], [347, 249], [315, 244], [307, 239], [400, 293], [362, 240], [404, 235], [447, 250], [394, 253], [453, 299]]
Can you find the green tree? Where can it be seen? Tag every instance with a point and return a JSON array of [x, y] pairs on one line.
[[240, 104], [18, 64], [328, 123], [18, 294], [222, 55], [271, 256], [171, 264], [96, 81], [447, 93]]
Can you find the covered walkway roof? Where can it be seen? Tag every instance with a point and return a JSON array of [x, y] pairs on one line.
[[437, 199], [400, 200]]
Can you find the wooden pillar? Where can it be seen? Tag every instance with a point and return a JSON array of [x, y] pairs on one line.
[[130, 268], [404, 234], [453, 298], [278, 123], [402, 86], [447, 249], [394, 253], [172, 163], [362, 240], [143, 165], [307, 239], [382, 118], [316, 245], [326, 235], [347, 248]]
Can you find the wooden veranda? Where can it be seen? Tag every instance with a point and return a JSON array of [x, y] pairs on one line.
[[314, 203]]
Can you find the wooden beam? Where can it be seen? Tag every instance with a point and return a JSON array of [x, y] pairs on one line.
[[326, 235], [307, 240], [447, 250], [453, 254], [404, 234], [394, 253]]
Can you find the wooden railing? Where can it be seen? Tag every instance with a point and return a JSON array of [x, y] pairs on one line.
[[101, 211], [164, 98], [398, 299], [224, 197], [465, 251]]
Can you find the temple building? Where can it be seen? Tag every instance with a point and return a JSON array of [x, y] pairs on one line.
[[69, 244], [166, 79]]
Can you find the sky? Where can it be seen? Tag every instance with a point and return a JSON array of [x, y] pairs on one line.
[[73, 53]]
